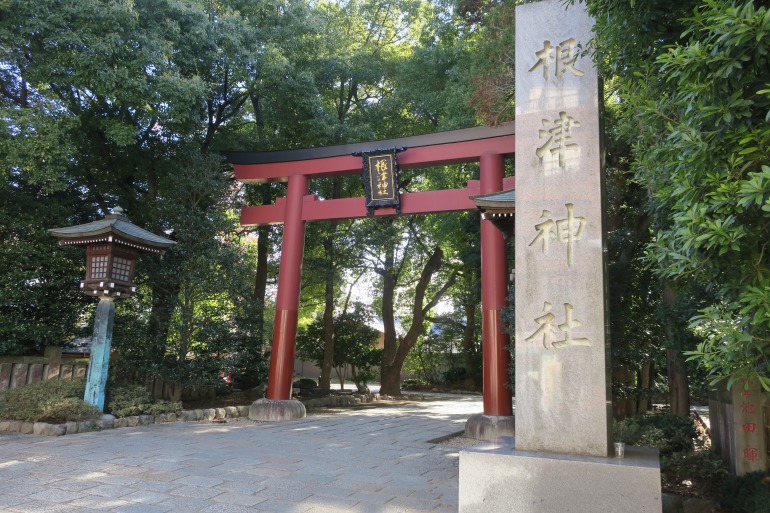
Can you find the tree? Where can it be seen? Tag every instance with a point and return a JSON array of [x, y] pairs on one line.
[[695, 101], [40, 301], [406, 265], [354, 345]]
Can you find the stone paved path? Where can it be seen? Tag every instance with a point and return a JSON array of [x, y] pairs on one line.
[[366, 461]]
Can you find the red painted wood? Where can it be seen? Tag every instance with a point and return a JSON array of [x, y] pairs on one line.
[[426, 202], [287, 300], [427, 156], [494, 289]]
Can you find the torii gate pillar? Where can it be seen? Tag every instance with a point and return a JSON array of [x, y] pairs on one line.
[[287, 300], [497, 419], [494, 289]]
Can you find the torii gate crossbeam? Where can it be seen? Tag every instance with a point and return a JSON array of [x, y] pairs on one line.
[[488, 146]]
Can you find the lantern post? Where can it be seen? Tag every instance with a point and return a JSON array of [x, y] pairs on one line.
[[112, 247]]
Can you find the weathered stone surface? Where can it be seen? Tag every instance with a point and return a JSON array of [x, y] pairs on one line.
[[209, 414], [243, 411], [71, 427], [14, 426], [562, 370], [231, 411], [27, 428], [171, 417], [256, 393], [122, 422], [46, 429], [146, 419], [489, 427], [84, 426], [276, 411], [5, 425], [161, 418], [133, 421], [107, 421], [220, 413], [494, 478]]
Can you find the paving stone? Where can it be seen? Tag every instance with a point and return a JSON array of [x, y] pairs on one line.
[[279, 506], [98, 503], [206, 482], [55, 495], [141, 508], [195, 492], [240, 499], [145, 497], [359, 461]]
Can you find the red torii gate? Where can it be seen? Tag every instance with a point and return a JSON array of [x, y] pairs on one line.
[[488, 146]]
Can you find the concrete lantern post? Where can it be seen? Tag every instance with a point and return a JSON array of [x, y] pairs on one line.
[[112, 246]]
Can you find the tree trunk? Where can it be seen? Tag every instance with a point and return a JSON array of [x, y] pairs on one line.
[[324, 382], [260, 279], [678, 384], [391, 369], [645, 385], [469, 347]]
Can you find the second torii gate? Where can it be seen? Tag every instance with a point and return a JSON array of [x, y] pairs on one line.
[[489, 146]]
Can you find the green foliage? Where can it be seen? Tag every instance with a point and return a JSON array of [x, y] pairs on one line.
[[40, 303], [669, 433], [691, 86], [702, 465], [410, 383], [427, 358], [124, 400], [749, 493], [354, 343], [53, 401]]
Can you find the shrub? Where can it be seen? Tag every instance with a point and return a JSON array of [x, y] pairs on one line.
[[48, 401], [669, 433], [124, 400], [749, 493], [454, 375], [413, 382], [705, 465]]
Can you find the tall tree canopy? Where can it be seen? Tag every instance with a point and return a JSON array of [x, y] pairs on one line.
[[692, 83]]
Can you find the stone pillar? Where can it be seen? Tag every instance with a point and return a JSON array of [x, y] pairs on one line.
[[562, 371], [99, 364], [559, 460], [287, 300]]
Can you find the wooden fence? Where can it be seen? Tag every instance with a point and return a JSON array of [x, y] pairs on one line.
[[17, 371]]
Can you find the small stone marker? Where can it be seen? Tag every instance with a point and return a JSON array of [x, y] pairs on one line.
[[562, 380], [751, 453]]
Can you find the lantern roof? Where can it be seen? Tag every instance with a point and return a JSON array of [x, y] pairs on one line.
[[499, 208], [505, 200], [115, 227]]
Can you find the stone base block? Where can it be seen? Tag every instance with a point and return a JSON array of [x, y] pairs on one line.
[[489, 427], [271, 410], [495, 478]]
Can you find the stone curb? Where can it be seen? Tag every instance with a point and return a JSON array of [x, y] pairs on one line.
[[210, 414]]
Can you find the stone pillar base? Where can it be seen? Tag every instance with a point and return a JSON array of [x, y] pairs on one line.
[[272, 410], [496, 478], [489, 427]]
